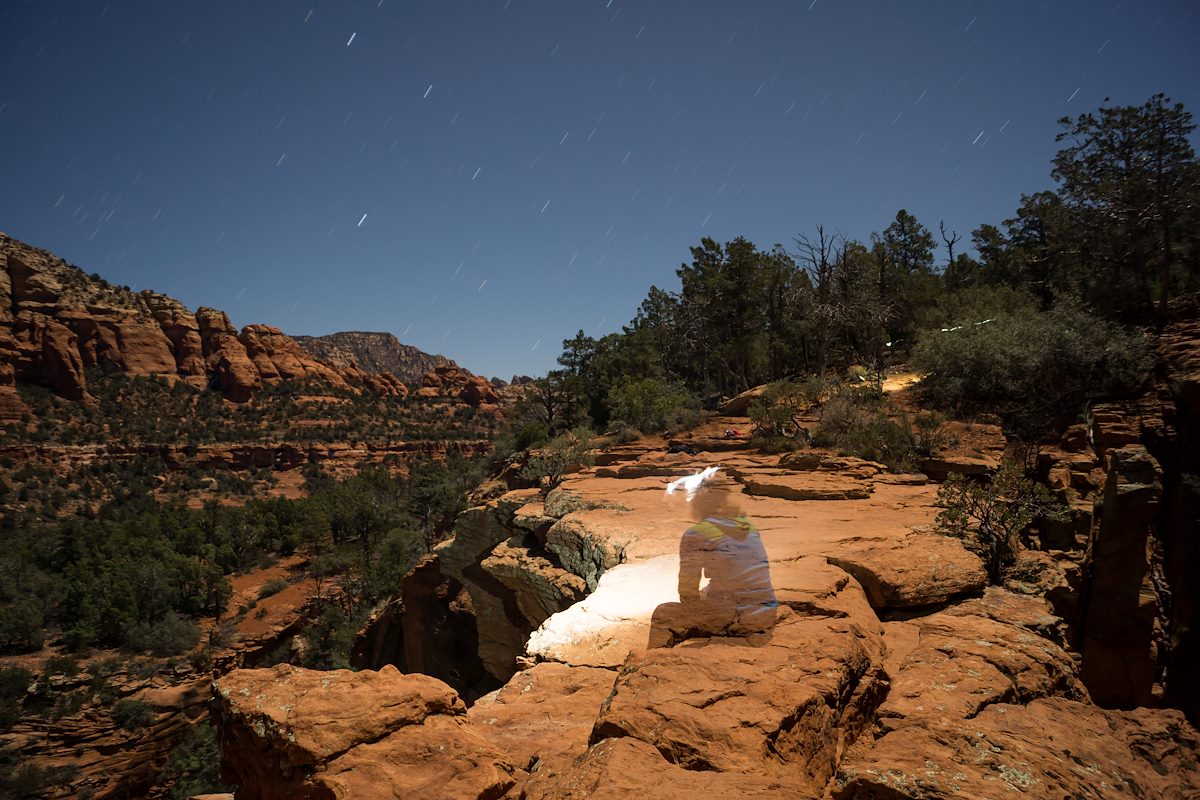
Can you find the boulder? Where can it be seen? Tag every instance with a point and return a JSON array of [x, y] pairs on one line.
[[739, 405], [290, 732], [923, 569]]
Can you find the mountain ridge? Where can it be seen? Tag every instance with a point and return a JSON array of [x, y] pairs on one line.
[[57, 322], [374, 351]]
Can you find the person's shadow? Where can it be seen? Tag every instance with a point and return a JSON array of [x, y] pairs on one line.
[[738, 599]]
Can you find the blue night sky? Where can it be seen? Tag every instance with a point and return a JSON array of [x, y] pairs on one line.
[[527, 169]]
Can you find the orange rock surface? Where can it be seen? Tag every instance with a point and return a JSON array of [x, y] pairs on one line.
[[889, 668]]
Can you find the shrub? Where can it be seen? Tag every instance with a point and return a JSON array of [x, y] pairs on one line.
[[194, 766], [931, 433], [132, 715], [1028, 366], [776, 416], [653, 405], [621, 433], [560, 455], [169, 636], [273, 586], [33, 780], [14, 681], [857, 423], [21, 625], [991, 516]]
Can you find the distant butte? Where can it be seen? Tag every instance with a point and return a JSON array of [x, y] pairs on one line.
[[374, 352]]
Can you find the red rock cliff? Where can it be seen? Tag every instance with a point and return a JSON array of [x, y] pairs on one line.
[[56, 322]]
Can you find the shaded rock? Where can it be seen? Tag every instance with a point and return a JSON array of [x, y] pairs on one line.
[[235, 374], [583, 548], [739, 405], [1121, 624], [540, 587], [373, 352], [59, 354], [562, 501], [939, 467], [501, 630], [810, 460]]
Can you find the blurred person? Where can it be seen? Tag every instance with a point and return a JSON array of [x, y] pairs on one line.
[[724, 577]]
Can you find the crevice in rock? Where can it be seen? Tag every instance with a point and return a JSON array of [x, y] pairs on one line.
[[920, 612]]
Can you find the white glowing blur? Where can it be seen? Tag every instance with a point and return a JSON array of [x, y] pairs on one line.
[[692, 483]]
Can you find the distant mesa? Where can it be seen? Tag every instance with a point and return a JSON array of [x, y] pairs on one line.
[[57, 322], [373, 352]]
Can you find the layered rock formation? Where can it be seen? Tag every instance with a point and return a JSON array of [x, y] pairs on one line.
[[889, 670], [457, 383], [373, 352], [56, 322]]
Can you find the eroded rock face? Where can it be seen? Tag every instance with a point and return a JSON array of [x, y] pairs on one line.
[[1121, 628], [373, 352], [57, 322]]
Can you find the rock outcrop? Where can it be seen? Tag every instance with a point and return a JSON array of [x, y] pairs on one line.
[[1121, 626], [457, 383], [888, 668], [373, 352], [1126, 548], [56, 323], [293, 733]]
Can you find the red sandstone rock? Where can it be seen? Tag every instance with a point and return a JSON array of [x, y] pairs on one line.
[[56, 348], [55, 322], [290, 732], [923, 569], [1049, 748], [455, 382]]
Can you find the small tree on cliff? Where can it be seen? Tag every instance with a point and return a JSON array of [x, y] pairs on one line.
[[561, 455], [990, 516]]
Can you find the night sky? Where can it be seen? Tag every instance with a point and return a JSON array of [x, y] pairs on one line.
[[483, 179]]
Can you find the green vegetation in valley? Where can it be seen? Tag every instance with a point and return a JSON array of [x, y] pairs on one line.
[[137, 572]]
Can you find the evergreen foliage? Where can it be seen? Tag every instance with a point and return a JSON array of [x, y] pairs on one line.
[[991, 515]]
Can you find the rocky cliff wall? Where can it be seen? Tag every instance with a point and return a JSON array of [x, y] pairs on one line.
[[57, 322]]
